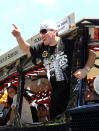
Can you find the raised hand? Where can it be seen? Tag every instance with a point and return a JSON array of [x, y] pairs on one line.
[[16, 33], [15, 26], [24, 45]]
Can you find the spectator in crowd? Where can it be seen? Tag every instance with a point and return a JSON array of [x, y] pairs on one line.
[[42, 113], [26, 115]]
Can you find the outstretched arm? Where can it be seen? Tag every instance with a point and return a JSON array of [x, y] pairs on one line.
[[82, 73], [25, 46]]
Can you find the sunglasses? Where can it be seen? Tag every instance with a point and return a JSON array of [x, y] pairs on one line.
[[44, 31]]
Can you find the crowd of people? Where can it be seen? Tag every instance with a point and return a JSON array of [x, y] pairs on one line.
[[29, 114]]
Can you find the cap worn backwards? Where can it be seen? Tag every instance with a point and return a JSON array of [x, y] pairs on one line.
[[48, 25]]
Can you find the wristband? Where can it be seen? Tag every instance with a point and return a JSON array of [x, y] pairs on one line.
[[87, 68]]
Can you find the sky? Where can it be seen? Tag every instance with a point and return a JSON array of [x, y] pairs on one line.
[[29, 14]]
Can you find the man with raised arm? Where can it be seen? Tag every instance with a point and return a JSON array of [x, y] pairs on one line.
[[55, 57]]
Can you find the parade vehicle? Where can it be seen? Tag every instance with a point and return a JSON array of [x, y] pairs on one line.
[[19, 69]]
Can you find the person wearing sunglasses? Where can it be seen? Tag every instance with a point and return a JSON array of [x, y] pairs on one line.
[[54, 54]]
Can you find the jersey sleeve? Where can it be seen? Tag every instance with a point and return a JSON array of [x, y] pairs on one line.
[[36, 50]]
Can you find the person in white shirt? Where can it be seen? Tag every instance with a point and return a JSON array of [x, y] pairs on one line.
[[26, 115]]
